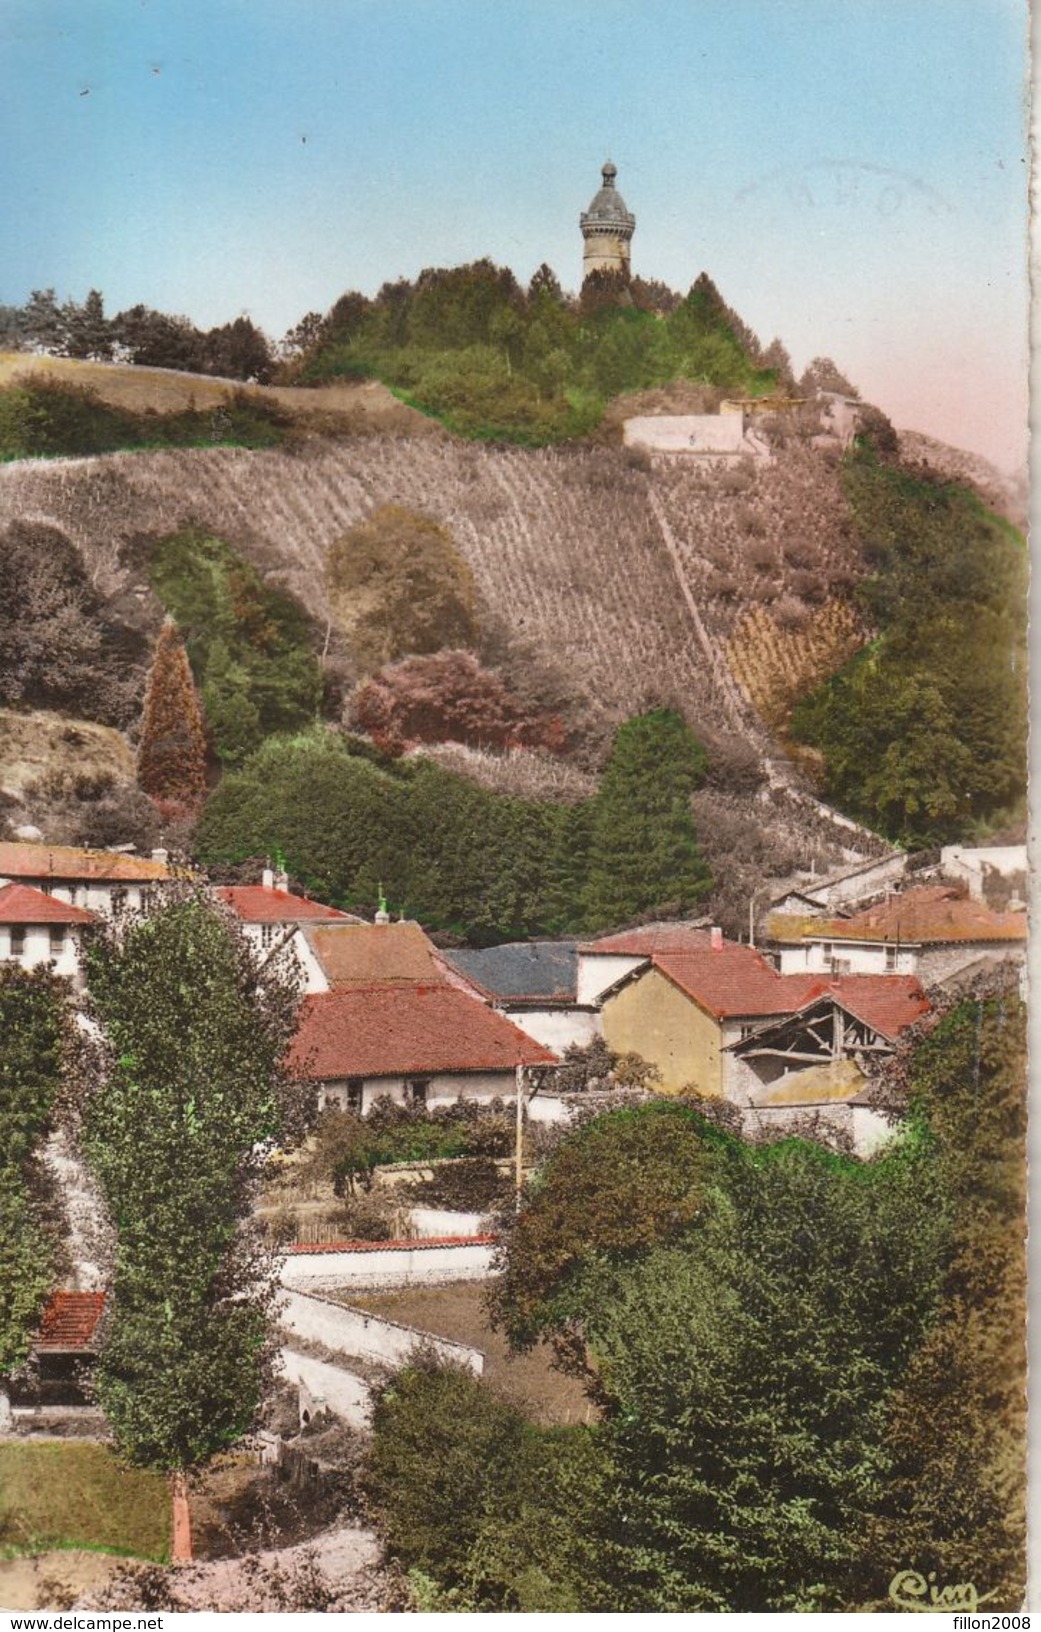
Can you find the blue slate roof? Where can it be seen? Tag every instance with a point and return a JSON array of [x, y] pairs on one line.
[[544, 970]]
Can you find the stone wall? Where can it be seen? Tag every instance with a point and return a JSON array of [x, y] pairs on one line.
[[357, 1334], [383, 1263]]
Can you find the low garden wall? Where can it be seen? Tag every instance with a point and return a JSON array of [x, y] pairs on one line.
[[346, 1395], [387, 1263], [431, 1222], [359, 1334]]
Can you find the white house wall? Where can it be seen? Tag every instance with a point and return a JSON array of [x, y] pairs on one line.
[[814, 957], [443, 1089], [597, 971], [37, 950], [556, 1028]]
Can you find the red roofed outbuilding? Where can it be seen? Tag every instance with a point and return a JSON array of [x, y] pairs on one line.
[[416, 1042]]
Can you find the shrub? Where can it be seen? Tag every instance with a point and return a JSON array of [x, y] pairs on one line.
[[448, 697], [399, 585]]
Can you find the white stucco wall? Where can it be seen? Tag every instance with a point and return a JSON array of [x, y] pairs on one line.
[[956, 861], [556, 1028], [687, 433], [814, 957], [346, 1395], [358, 1334], [862, 883], [444, 1089], [599, 970], [37, 949], [378, 1265]]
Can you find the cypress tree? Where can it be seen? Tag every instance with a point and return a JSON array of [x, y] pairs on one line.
[[171, 758], [643, 849]]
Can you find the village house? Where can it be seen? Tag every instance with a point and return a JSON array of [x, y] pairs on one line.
[[269, 912], [100, 881], [533, 983], [932, 931], [38, 929], [339, 954], [604, 962], [724, 1023], [418, 1043]]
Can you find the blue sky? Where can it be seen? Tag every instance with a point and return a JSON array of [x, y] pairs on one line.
[[850, 172]]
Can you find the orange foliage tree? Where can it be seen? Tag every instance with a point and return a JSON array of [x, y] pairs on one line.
[[171, 757]]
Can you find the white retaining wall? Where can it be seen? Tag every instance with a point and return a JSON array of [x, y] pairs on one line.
[[381, 1263], [439, 1221], [347, 1395], [357, 1333]]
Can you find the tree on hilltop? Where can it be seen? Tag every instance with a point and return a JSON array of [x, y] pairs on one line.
[[823, 375], [171, 758]]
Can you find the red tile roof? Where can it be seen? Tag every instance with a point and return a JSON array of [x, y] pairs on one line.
[[64, 861], [652, 938], [21, 904], [888, 1003], [931, 914], [736, 981], [391, 1030], [70, 1320], [373, 954], [256, 904]]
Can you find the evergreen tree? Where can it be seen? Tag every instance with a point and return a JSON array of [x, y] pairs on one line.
[[643, 850], [171, 757], [185, 1085]]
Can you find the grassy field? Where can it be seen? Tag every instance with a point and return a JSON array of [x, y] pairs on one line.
[[62, 1494], [528, 1381], [345, 409]]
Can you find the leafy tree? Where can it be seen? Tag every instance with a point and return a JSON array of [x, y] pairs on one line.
[[57, 648], [238, 351], [33, 1026], [171, 756], [487, 1512], [250, 643], [923, 733], [746, 1372], [643, 846], [155, 340], [822, 375], [398, 585], [185, 1086], [954, 1500], [745, 1314], [624, 1182]]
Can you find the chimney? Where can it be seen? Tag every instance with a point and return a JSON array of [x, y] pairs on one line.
[[282, 881], [715, 936], [382, 915], [267, 879], [161, 856]]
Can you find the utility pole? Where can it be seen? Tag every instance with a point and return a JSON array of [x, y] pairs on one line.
[[519, 1143]]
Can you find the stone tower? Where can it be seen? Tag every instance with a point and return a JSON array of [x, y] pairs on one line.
[[607, 227]]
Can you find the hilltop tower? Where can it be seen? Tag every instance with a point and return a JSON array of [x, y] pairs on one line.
[[607, 228]]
